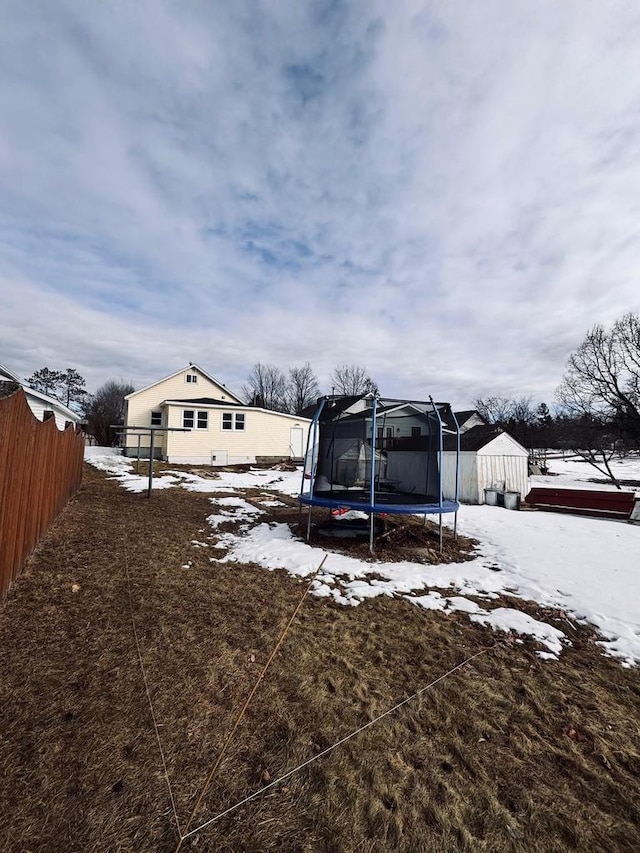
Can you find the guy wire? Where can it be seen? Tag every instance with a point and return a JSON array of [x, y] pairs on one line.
[[335, 745]]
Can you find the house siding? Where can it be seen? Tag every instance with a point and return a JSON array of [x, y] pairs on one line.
[[38, 407], [266, 434], [141, 404]]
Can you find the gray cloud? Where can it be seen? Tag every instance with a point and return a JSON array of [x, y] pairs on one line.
[[446, 195]]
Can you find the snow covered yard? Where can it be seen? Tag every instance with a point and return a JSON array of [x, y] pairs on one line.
[[587, 569], [572, 472]]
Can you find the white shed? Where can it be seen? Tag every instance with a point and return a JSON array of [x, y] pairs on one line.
[[489, 458]]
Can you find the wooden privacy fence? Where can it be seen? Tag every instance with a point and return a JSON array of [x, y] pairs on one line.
[[40, 469]]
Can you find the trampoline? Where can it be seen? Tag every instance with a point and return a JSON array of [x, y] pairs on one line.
[[379, 456]]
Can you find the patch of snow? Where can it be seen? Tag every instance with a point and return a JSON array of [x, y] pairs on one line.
[[507, 619], [584, 567], [237, 510]]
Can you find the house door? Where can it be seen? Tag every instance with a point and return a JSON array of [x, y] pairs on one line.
[[296, 447]]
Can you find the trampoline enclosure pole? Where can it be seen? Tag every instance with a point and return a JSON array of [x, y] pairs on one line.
[[440, 457], [314, 430], [455, 517], [372, 499]]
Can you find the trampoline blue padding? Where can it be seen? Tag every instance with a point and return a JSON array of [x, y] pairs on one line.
[[388, 503]]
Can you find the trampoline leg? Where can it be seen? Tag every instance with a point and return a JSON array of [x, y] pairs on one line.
[[455, 525], [440, 533], [309, 522], [425, 521], [371, 525]]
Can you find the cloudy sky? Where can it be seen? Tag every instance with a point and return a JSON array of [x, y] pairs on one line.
[[445, 193]]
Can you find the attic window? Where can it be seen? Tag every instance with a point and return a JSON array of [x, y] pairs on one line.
[[48, 414], [192, 377], [156, 419]]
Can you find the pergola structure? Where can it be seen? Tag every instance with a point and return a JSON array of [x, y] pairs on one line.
[[151, 432]]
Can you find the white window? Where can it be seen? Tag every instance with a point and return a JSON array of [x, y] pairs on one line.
[[192, 377], [233, 420], [156, 418], [191, 419]]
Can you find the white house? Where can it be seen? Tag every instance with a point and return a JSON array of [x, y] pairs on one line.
[[42, 406], [489, 458], [221, 429]]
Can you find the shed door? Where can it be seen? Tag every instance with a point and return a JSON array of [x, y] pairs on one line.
[[296, 442]]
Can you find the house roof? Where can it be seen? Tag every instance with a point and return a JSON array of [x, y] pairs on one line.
[[229, 404], [476, 438], [337, 406], [465, 415], [206, 401], [333, 407], [9, 374], [177, 373]]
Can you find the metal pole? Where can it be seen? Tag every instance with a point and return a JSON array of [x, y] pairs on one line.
[[372, 499], [153, 432], [440, 459], [138, 459], [316, 419], [455, 517]]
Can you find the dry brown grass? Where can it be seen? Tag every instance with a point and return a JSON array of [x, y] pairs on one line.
[[509, 754]]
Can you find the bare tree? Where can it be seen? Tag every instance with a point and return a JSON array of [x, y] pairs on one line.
[[600, 393], [522, 411], [591, 440], [352, 379], [266, 387], [302, 388], [494, 410], [107, 407], [603, 378]]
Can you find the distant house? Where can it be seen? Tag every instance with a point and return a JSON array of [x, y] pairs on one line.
[[222, 430], [489, 458], [42, 406]]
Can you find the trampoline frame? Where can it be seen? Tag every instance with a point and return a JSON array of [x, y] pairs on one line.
[[375, 507]]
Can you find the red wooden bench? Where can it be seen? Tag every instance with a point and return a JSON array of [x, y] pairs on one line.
[[602, 504]]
